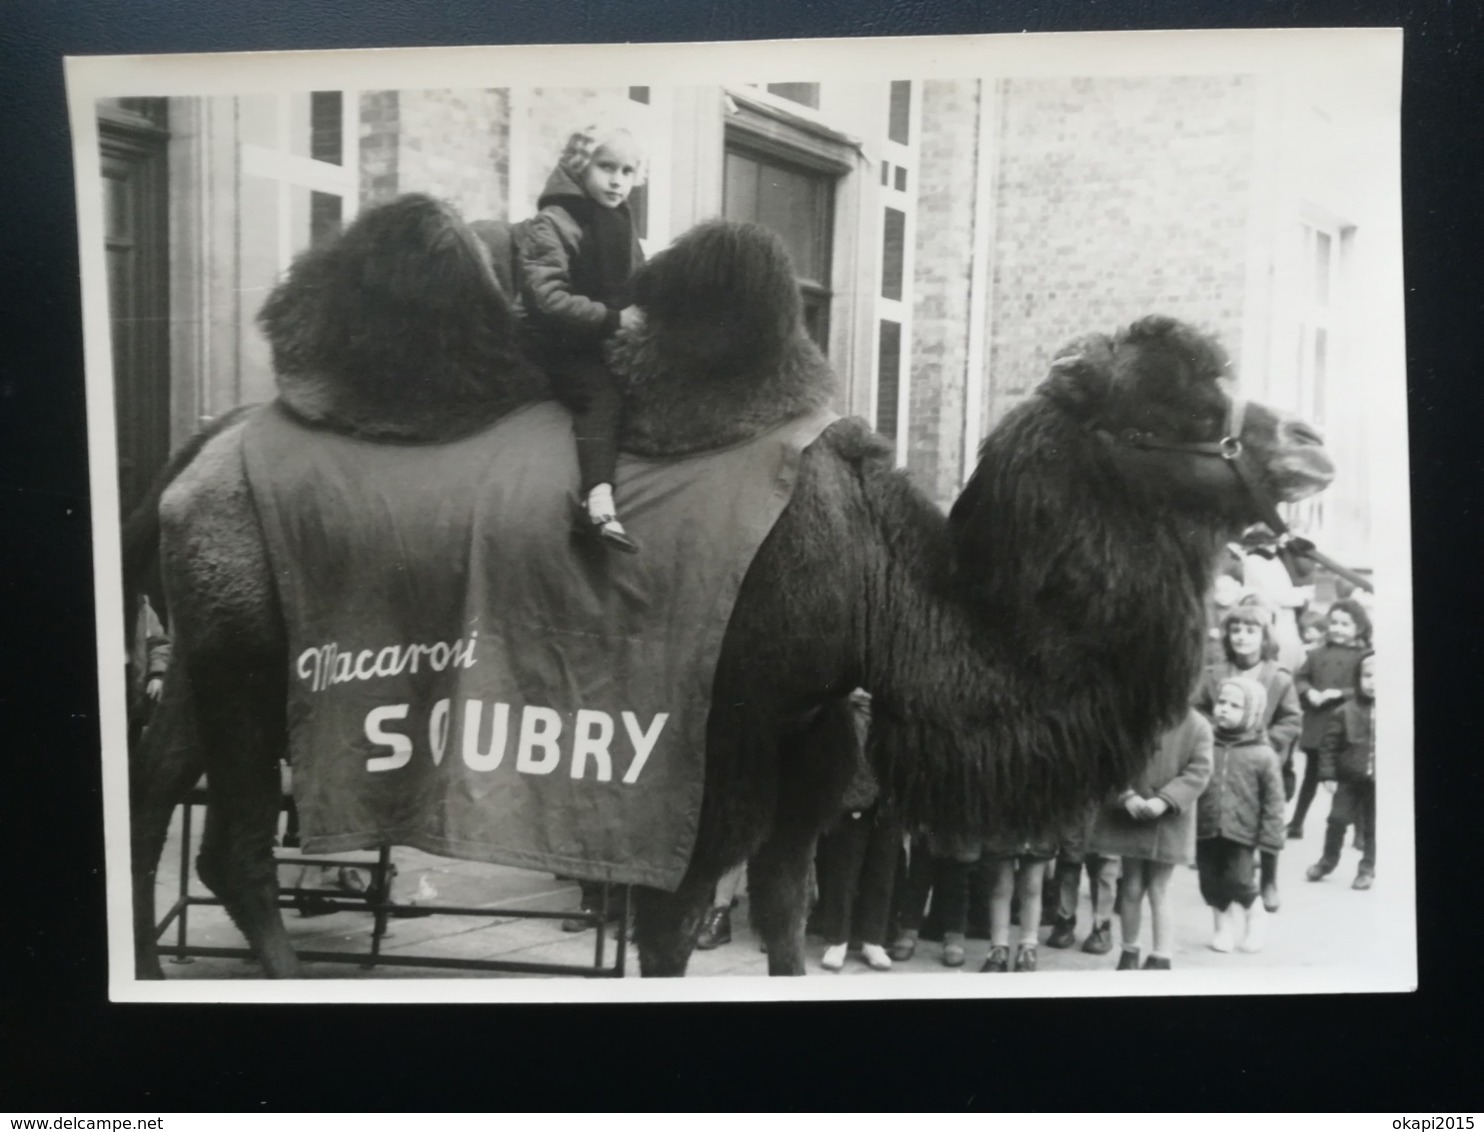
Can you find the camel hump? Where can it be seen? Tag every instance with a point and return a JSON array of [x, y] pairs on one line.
[[401, 328]]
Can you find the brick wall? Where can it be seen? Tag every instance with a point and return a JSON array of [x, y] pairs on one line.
[[452, 144], [940, 284], [1115, 198]]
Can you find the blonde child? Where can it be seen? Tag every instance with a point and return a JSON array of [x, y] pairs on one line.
[[576, 257], [1240, 811]]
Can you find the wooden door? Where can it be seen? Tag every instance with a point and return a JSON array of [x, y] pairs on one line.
[[133, 138]]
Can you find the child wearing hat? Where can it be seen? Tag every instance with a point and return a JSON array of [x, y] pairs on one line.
[[1249, 648], [1240, 812]]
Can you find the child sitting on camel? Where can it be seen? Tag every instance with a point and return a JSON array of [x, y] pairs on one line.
[[576, 257]]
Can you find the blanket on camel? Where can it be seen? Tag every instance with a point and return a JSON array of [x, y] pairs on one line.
[[468, 678]]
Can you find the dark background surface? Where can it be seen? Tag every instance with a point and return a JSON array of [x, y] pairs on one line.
[[64, 1047]]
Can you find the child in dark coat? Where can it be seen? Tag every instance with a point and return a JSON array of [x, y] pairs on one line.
[[1250, 649], [1348, 758], [1240, 811], [1324, 681], [576, 257]]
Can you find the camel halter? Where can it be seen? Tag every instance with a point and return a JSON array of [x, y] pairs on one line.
[[1229, 448]]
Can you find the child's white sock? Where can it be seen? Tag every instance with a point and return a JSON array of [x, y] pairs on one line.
[[1256, 935], [600, 502]]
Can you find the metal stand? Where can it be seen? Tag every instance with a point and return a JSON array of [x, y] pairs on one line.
[[377, 900]]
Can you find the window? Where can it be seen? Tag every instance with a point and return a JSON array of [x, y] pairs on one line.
[[297, 183], [900, 114], [1319, 290], [326, 143], [889, 377], [893, 251], [798, 204]]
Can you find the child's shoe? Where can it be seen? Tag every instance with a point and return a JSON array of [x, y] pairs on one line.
[[1226, 929], [1319, 870], [1025, 957], [1255, 937], [953, 949], [1064, 934], [834, 957], [716, 929], [876, 957], [998, 959], [602, 525], [1129, 959], [1362, 881], [1099, 941], [905, 946], [1157, 963]]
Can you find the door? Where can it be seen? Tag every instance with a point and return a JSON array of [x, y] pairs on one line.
[[133, 138]]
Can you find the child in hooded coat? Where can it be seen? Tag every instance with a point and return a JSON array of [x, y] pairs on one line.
[[1240, 811], [576, 257], [1249, 648]]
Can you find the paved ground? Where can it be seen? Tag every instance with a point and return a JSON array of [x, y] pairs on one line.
[[1318, 926]]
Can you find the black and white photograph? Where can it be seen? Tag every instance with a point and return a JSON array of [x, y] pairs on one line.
[[890, 512]]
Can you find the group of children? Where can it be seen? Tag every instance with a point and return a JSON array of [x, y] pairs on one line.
[[1214, 794], [1214, 791]]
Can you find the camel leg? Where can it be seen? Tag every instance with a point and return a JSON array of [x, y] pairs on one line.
[[778, 881], [815, 768], [243, 739], [667, 926], [163, 765]]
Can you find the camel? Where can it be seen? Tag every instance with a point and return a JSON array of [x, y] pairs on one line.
[[1023, 653]]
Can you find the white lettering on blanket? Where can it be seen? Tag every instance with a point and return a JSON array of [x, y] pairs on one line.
[[325, 665], [539, 743]]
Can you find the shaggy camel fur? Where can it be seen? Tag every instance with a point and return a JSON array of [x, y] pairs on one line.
[[1023, 655]]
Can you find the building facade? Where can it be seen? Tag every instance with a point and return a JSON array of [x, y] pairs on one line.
[[948, 235]]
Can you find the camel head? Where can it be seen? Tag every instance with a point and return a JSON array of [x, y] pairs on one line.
[[396, 329], [1159, 396], [722, 354]]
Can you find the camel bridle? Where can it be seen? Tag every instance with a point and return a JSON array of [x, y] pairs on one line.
[[1230, 449]]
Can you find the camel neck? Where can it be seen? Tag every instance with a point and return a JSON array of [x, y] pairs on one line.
[[1057, 619]]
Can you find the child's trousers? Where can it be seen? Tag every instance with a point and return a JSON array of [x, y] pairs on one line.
[[583, 382], [1225, 869], [1102, 877], [1307, 789], [857, 865], [1354, 804]]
